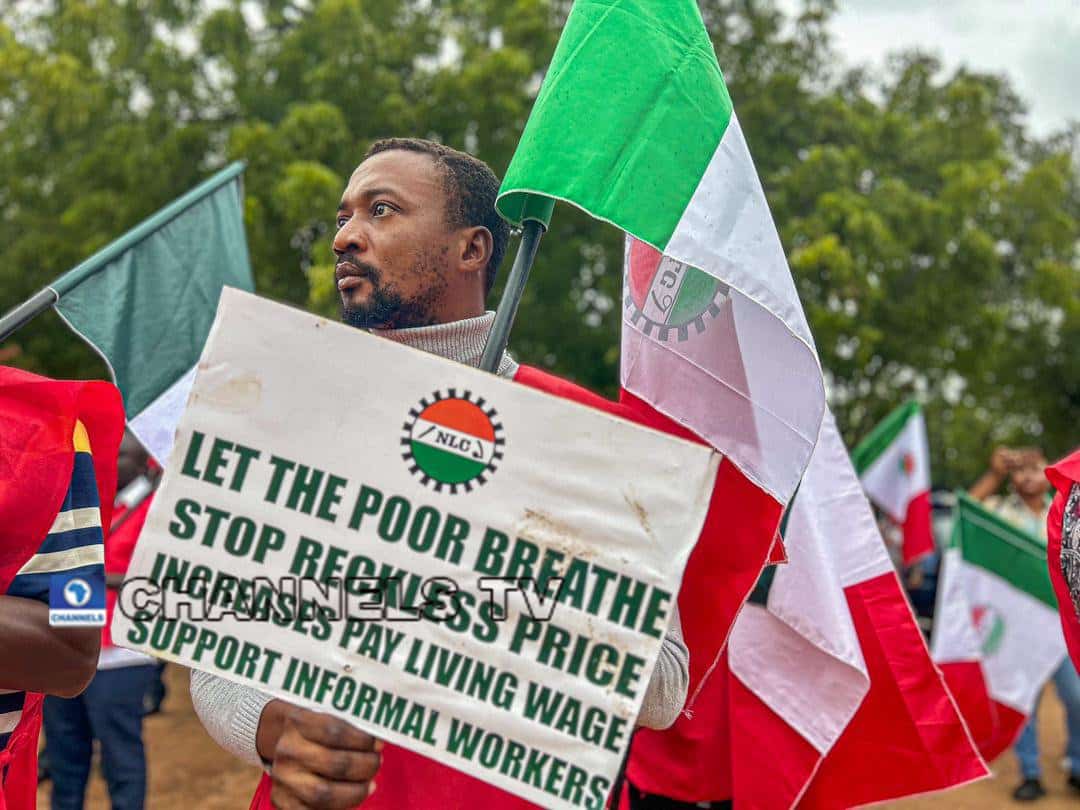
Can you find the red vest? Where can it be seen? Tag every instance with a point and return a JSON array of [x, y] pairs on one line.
[[37, 422], [1063, 475]]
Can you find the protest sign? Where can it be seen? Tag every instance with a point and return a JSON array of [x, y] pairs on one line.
[[458, 564]]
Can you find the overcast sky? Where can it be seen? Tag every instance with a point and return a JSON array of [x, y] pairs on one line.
[[1035, 42]]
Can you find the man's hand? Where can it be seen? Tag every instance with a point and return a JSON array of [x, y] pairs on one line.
[[39, 658], [1003, 461], [321, 762]]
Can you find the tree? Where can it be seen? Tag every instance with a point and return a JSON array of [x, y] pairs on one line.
[[934, 241], [935, 248]]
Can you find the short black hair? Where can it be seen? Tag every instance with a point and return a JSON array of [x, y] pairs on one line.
[[471, 187]]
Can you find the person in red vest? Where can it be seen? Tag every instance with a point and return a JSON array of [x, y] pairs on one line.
[[1063, 547], [58, 443], [418, 243], [110, 710]]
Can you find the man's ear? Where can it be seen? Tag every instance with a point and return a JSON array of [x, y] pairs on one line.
[[476, 246]]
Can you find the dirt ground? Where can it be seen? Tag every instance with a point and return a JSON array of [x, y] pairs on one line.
[[188, 771]]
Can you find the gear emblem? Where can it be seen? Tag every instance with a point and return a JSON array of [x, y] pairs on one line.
[[667, 299], [453, 442]]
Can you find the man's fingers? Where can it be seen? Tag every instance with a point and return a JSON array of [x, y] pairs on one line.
[[330, 731], [337, 764], [281, 798], [322, 763], [297, 789]]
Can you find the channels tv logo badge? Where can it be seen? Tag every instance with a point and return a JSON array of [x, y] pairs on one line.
[[452, 442], [77, 600]]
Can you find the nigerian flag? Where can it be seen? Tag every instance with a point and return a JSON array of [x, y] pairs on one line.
[[147, 300]]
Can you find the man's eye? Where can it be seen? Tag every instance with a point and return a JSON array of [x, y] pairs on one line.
[[380, 209], [341, 220]]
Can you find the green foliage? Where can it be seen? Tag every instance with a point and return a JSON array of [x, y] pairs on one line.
[[934, 241], [935, 248]]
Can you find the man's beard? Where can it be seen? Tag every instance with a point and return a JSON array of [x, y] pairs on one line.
[[386, 308]]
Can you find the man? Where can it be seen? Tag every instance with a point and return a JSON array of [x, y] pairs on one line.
[[1027, 506], [51, 492], [111, 708], [418, 243]]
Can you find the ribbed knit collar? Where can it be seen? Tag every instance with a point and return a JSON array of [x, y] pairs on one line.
[[462, 341]]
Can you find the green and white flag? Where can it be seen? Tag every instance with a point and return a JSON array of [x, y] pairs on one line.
[[634, 125], [996, 612], [893, 463], [147, 300]]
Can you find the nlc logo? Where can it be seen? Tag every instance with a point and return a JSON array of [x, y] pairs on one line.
[[452, 441]]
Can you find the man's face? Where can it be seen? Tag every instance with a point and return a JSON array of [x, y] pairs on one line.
[[1029, 476], [393, 243]]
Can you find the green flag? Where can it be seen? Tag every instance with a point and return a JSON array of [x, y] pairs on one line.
[[147, 300], [632, 109]]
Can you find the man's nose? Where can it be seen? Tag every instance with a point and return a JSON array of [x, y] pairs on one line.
[[350, 238]]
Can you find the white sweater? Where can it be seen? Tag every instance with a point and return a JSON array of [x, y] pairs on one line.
[[230, 712]]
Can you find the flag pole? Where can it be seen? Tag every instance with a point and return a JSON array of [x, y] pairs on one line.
[[44, 299], [536, 220], [25, 312]]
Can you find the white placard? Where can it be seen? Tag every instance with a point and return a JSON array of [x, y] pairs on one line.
[[313, 457]]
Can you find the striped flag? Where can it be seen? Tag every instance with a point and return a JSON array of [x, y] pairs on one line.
[[997, 636], [633, 124], [146, 301], [893, 463]]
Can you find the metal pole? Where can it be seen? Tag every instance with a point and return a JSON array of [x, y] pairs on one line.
[[531, 233], [30, 308]]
